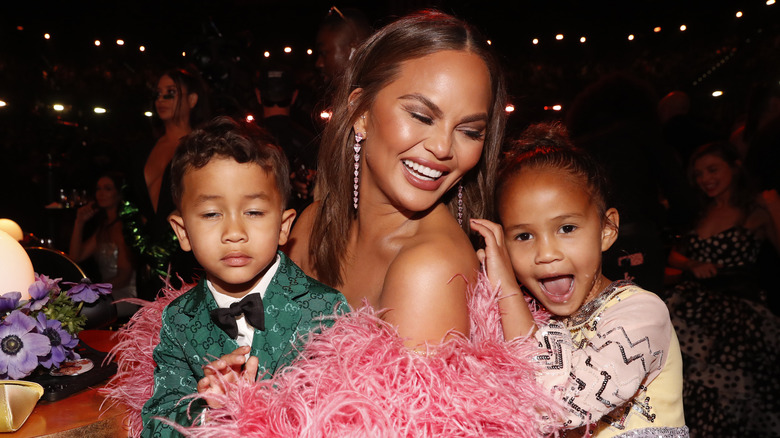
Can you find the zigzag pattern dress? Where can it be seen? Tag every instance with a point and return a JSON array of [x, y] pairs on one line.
[[616, 364]]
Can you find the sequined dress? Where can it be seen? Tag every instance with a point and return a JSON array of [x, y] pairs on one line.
[[729, 341], [106, 256], [617, 367]]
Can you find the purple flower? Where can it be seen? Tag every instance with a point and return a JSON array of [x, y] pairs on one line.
[[9, 301], [62, 342], [50, 284], [87, 291], [20, 346], [39, 292]]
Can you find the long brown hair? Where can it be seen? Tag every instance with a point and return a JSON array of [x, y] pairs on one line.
[[375, 65]]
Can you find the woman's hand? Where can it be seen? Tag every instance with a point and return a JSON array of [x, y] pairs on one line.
[[769, 199], [231, 367], [495, 257], [516, 318], [85, 213], [704, 270]]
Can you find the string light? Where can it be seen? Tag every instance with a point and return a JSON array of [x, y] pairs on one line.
[[2, 103], [120, 42], [142, 49], [489, 42], [46, 36], [582, 39], [309, 51], [288, 49], [250, 118], [58, 107], [535, 41], [559, 37], [717, 93], [99, 110], [509, 108], [97, 43], [683, 28], [148, 113], [657, 29], [631, 37], [770, 2], [739, 14], [267, 54]]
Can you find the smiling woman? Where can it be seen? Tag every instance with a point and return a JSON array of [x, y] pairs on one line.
[[408, 154], [415, 132]]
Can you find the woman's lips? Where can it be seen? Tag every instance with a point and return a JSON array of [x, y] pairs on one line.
[[559, 288], [422, 176]]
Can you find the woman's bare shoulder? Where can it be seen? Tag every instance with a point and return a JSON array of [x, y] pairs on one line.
[[434, 257], [425, 286]]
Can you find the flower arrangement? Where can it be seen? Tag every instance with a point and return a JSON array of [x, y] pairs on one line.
[[43, 331]]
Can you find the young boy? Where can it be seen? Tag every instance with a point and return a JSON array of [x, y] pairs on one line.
[[230, 185]]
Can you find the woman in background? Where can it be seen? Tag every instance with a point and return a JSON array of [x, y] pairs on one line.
[[728, 336], [181, 103], [107, 245]]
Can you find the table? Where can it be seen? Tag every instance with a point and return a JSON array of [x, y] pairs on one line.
[[77, 416]]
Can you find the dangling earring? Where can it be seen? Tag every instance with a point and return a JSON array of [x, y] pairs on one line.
[[460, 204], [358, 139]]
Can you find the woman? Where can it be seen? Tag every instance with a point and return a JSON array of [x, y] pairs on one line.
[[728, 336], [114, 258], [425, 99], [180, 103], [409, 152]]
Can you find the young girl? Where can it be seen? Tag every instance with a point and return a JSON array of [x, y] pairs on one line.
[[612, 353]]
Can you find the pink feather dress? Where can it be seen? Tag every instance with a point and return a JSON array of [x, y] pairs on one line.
[[357, 379]]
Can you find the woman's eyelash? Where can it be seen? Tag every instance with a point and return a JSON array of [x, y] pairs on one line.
[[475, 135], [422, 118]]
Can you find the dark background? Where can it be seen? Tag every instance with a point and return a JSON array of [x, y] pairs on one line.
[[42, 151]]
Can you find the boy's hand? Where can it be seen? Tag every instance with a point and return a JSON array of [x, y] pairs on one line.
[[495, 257], [231, 367]]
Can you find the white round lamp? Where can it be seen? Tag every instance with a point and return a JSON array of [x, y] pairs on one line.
[[12, 228], [16, 269]]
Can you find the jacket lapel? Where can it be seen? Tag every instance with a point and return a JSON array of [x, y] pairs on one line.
[[206, 338], [282, 316]]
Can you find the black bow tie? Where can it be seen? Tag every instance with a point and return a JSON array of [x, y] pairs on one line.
[[251, 306]]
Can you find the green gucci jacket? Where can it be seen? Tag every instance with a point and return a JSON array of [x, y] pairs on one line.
[[189, 340]]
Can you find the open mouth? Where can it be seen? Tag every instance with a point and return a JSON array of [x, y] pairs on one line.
[[422, 172], [558, 289]]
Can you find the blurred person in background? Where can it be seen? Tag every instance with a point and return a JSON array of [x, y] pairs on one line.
[[115, 260]]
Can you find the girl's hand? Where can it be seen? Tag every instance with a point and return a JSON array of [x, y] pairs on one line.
[[85, 213], [516, 318], [704, 270], [231, 367], [495, 257]]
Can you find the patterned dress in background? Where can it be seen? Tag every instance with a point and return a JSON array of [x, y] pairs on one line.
[[729, 341]]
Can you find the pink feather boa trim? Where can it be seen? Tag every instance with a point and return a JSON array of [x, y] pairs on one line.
[[133, 383], [357, 379]]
